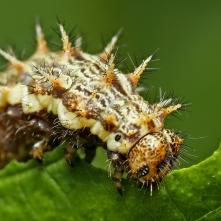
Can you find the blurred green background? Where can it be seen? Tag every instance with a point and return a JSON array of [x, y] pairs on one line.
[[188, 34]]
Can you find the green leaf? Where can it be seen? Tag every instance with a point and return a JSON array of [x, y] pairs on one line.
[[55, 191]]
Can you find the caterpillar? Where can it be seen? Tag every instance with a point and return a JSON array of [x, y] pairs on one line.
[[83, 100]]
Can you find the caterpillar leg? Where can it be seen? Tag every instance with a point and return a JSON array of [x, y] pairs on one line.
[[70, 153], [90, 147], [38, 149], [118, 162], [90, 152], [117, 178]]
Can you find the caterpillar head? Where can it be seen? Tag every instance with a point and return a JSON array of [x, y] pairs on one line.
[[153, 156]]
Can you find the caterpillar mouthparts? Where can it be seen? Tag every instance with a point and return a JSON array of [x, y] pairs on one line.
[[83, 100]]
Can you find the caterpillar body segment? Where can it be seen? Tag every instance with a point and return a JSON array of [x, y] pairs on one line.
[[73, 97]]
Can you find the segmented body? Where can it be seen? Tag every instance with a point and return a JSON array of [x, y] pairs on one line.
[[71, 92]]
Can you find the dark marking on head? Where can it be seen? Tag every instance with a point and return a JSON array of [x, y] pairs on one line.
[[143, 171]]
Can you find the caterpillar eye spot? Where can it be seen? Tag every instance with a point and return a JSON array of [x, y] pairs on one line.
[[117, 137]]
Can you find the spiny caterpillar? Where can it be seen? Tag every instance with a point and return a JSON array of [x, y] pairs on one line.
[[72, 97]]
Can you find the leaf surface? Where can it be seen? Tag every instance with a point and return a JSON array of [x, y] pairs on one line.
[[56, 191]]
